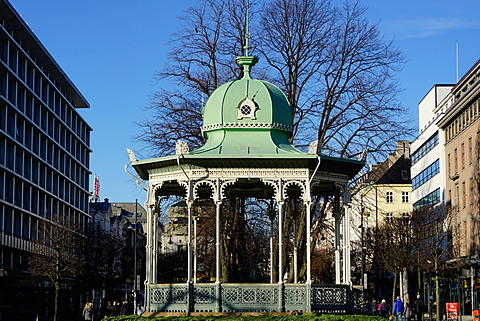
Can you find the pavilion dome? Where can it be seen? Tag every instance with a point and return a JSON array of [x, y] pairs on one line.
[[247, 116]]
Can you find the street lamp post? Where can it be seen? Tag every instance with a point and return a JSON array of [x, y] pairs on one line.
[[135, 260]]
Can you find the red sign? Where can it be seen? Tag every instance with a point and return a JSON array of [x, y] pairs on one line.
[[452, 310]]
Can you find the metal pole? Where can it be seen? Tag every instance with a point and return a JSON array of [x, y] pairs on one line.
[[280, 242], [295, 253], [308, 236], [195, 249], [190, 245], [135, 260], [362, 240], [218, 272]]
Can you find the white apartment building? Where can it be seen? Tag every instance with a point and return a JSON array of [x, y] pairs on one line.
[[428, 150]]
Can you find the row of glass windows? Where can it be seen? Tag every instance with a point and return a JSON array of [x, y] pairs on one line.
[[27, 130], [389, 216], [426, 175], [466, 155], [389, 197], [425, 148], [45, 199], [27, 161], [429, 200], [464, 197], [23, 225], [29, 79], [13, 260], [463, 120]]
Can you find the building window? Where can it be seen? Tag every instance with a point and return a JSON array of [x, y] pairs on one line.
[[455, 160], [470, 151], [405, 198], [449, 166], [429, 200], [425, 148], [462, 150], [464, 196], [426, 174], [471, 191], [457, 194], [405, 215], [389, 197], [389, 218]]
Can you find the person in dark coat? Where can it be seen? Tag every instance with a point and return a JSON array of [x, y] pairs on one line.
[[118, 308], [374, 307], [109, 309], [384, 309], [408, 312], [126, 309], [419, 307]]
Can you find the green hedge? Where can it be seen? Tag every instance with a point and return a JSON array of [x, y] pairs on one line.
[[305, 317]]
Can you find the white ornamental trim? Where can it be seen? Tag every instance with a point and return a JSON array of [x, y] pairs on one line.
[[277, 126], [207, 183], [229, 173], [298, 183]]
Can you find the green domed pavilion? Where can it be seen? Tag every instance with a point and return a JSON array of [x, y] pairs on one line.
[[247, 124]]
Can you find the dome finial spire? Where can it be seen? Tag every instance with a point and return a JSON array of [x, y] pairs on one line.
[[247, 34], [247, 61]]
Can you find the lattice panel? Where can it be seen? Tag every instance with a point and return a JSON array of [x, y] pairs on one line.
[[357, 299], [295, 295], [329, 296], [168, 295], [204, 295], [249, 295]]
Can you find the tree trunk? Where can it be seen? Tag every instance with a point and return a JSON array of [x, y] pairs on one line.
[[437, 298], [57, 294], [394, 286], [404, 285]]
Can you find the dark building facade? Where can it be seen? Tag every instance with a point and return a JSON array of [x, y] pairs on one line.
[[44, 156]]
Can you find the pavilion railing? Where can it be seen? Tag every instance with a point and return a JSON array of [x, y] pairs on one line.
[[253, 297]]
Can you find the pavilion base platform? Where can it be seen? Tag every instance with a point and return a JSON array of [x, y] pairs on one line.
[[234, 298]]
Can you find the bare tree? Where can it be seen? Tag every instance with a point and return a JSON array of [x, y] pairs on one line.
[[337, 71], [335, 68], [57, 253], [201, 59], [393, 245], [103, 252], [436, 241], [295, 35]]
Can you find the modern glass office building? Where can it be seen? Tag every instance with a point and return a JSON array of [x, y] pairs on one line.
[[44, 147]]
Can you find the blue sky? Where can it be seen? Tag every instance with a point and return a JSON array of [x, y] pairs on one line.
[[111, 50]]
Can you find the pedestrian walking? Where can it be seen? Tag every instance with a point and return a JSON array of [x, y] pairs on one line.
[[374, 307], [126, 309], [139, 309], [384, 309], [109, 309], [87, 311], [118, 308], [397, 310], [419, 307], [408, 310]]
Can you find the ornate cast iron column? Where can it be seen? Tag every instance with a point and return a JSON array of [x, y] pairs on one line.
[[281, 290]]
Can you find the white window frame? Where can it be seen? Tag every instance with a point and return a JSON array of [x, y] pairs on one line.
[[389, 197], [389, 217]]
